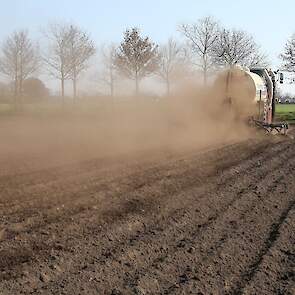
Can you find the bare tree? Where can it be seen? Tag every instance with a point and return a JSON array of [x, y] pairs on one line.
[[288, 56], [81, 49], [108, 74], [171, 59], [19, 59], [137, 57], [258, 59], [58, 55], [236, 47], [202, 37]]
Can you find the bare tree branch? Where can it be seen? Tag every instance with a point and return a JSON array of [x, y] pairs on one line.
[[81, 49], [58, 59], [237, 47], [19, 59], [171, 61], [202, 37], [109, 75]]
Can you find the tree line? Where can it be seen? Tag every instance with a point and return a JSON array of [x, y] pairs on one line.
[[206, 45]]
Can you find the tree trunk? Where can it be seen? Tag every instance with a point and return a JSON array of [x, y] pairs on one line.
[[74, 89], [63, 91], [15, 84], [168, 87], [15, 92], [205, 70], [20, 90], [74, 85], [20, 94]]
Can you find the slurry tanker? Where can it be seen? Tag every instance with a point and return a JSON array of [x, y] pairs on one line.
[[251, 95]]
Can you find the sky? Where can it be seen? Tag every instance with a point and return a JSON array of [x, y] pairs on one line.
[[271, 22]]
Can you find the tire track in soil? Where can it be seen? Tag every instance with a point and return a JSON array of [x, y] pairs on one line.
[[138, 189], [191, 231], [36, 247], [150, 176], [54, 174], [43, 246], [212, 276], [65, 185], [273, 235], [220, 240], [153, 170], [281, 256], [74, 193]]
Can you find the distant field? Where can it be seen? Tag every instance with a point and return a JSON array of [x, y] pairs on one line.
[[286, 112]]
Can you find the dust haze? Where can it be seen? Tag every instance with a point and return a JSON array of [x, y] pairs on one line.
[[192, 118]]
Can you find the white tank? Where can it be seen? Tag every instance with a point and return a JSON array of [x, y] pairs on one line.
[[242, 88], [238, 83], [260, 85]]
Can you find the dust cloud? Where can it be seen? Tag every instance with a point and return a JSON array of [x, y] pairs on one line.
[[193, 118]]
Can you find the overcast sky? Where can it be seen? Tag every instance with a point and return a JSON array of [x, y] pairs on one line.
[[271, 22]]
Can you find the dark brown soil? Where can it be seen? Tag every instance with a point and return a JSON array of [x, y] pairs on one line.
[[186, 222]]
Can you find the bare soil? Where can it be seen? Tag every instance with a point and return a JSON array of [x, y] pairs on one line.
[[219, 220]]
